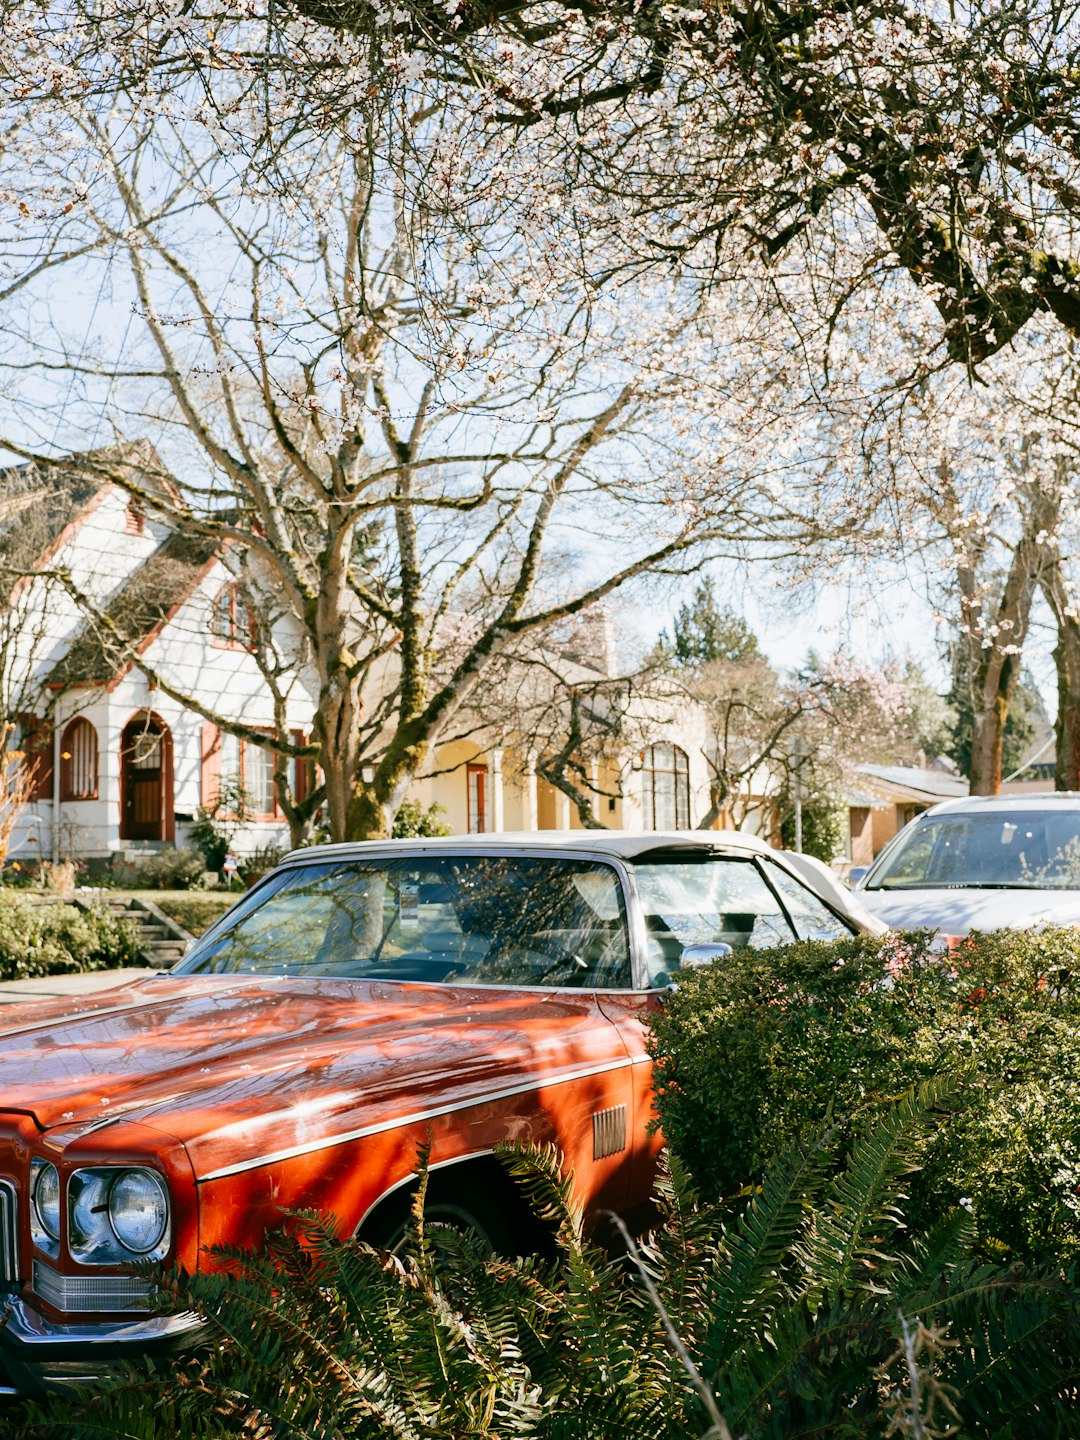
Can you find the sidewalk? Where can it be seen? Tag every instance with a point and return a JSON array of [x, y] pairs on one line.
[[49, 987]]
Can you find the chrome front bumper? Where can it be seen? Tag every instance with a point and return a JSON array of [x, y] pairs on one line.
[[37, 1354]]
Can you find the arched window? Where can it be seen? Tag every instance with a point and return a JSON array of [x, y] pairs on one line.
[[79, 761], [666, 788], [223, 621]]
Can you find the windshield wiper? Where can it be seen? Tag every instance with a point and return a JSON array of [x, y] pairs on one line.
[[993, 885], [961, 885]]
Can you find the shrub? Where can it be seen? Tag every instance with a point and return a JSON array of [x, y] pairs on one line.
[[212, 830], [53, 939], [262, 859], [813, 1313], [823, 827], [183, 869], [413, 822], [57, 877], [756, 1052]]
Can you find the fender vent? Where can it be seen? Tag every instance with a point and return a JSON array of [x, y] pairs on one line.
[[608, 1131], [9, 1234]]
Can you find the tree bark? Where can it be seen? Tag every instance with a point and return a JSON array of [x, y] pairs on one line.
[[988, 729], [1067, 663], [993, 641]]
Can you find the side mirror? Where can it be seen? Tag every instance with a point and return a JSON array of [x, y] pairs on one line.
[[695, 957], [856, 873]]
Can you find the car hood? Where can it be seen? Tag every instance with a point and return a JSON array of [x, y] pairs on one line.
[[957, 912], [236, 1066]]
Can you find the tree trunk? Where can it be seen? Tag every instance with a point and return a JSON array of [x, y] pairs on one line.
[[373, 805], [1067, 664], [988, 730], [1067, 724], [335, 727], [994, 643]]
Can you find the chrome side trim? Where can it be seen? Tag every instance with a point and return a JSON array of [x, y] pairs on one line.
[[9, 1234], [505, 1092], [25, 1326]]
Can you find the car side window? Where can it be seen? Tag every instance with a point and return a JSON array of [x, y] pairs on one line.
[[812, 918], [708, 900]]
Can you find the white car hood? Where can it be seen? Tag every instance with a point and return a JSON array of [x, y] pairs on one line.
[[958, 911]]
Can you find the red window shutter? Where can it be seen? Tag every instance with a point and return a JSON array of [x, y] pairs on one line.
[[211, 763], [37, 746], [300, 769]]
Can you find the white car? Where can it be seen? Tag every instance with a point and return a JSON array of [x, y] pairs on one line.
[[981, 863]]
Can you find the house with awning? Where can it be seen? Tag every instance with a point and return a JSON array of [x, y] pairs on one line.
[[883, 798]]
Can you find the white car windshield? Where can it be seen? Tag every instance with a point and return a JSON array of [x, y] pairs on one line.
[[446, 920], [994, 850]]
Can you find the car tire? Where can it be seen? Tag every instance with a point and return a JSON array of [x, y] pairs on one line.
[[474, 1215]]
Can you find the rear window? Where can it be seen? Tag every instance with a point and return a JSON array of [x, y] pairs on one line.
[[723, 900]]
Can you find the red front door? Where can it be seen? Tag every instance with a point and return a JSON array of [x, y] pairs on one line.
[[142, 781]]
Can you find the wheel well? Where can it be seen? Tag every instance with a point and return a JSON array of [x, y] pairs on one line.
[[479, 1184]]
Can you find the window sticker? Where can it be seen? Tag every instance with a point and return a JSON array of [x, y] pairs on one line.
[[409, 900]]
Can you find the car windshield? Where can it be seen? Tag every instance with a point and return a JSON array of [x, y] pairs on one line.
[[992, 850], [454, 920], [724, 900]]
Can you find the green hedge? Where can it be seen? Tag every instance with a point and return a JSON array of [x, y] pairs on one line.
[[54, 939], [766, 1046], [196, 912]]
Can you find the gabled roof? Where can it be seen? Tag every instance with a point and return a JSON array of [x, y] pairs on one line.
[[40, 502], [137, 612], [910, 782]]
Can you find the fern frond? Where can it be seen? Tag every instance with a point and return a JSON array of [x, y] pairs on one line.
[[845, 1248], [751, 1268], [1020, 1356], [537, 1170]]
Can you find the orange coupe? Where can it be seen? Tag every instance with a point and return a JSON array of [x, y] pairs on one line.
[[361, 1001]]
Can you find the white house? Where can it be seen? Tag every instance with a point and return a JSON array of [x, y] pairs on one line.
[[122, 766]]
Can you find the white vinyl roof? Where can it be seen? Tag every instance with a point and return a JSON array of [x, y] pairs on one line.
[[624, 843], [621, 844]]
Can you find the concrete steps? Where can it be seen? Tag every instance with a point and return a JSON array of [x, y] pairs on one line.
[[161, 940]]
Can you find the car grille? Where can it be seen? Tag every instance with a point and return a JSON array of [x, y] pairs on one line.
[[9, 1234], [90, 1292]]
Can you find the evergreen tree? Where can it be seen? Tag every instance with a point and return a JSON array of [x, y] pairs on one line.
[[705, 631]]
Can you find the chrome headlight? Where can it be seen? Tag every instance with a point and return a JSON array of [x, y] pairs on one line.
[[139, 1210], [44, 1205], [116, 1214]]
